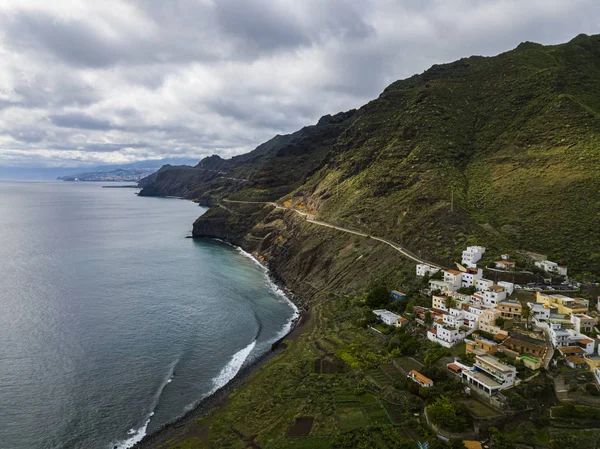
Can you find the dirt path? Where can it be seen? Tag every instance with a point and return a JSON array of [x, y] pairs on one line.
[[310, 218]]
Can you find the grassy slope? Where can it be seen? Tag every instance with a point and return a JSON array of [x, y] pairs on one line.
[[516, 137]]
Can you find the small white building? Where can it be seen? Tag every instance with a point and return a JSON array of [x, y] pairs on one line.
[[470, 277], [454, 278], [423, 269], [494, 296], [551, 267], [505, 265], [439, 302], [540, 312], [445, 335], [509, 287], [388, 317], [483, 285], [472, 255], [442, 286], [419, 378]]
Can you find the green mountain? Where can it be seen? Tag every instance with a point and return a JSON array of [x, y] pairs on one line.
[[501, 151]]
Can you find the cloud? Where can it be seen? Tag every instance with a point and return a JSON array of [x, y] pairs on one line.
[[117, 81]]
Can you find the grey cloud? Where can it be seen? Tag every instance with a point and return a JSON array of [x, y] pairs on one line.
[[79, 121], [223, 76]]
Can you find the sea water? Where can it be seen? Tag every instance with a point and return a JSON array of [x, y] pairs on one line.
[[112, 322]]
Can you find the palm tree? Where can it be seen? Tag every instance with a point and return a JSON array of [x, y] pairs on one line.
[[526, 313]]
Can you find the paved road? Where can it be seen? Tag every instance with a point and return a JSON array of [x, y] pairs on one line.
[[311, 219]]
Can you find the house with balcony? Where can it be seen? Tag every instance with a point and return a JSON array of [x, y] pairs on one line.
[[489, 375], [525, 345], [563, 304], [510, 310], [442, 286], [472, 255], [423, 269], [454, 278]]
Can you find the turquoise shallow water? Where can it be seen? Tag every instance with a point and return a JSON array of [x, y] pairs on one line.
[[112, 323]]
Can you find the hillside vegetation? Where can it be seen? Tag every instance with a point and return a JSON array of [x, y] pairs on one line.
[[513, 141]]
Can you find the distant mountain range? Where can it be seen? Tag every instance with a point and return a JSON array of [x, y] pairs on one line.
[[53, 173], [118, 175]]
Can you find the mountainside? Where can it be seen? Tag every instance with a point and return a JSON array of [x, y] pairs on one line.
[[501, 151]]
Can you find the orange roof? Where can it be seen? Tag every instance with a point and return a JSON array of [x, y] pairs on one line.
[[571, 350], [585, 341], [433, 331], [402, 320], [420, 377], [505, 262], [472, 444], [576, 360], [454, 367], [500, 337], [454, 272]]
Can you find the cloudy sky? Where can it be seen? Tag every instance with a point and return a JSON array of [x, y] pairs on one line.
[[116, 81]]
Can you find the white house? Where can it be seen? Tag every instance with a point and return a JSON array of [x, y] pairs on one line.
[[561, 338], [551, 267], [472, 255], [489, 374], [483, 284], [454, 278], [445, 335], [583, 322], [423, 269], [388, 317], [540, 312], [494, 296], [509, 287], [505, 265], [442, 286], [419, 378], [470, 277]]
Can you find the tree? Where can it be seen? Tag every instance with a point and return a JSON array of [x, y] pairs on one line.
[[526, 313], [378, 297], [499, 321], [467, 290], [428, 317], [448, 302]]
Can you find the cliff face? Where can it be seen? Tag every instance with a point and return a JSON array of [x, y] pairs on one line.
[[309, 259], [501, 151]]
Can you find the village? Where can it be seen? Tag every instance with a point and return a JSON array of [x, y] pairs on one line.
[[499, 330]]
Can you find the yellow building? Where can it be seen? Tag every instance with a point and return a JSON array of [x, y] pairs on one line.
[[480, 345], [563, 304]]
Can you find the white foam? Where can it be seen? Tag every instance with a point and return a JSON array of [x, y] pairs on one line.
[[230, 370], [288, 326], [139, 434]]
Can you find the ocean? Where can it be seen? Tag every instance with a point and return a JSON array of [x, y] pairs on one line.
[[112, 322]]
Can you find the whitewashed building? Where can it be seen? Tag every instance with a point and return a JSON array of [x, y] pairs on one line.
[[423, 269], [445, 335], [489, 374], [551, 267], [454, 278], [472, 255], [388, 317], [470, 277], [540, 312], [482, 285], [509, 287], [441, 286]]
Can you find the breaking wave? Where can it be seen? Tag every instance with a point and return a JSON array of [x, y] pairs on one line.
[[138, 434]]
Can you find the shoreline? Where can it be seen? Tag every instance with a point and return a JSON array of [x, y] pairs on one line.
[[219, 398]]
